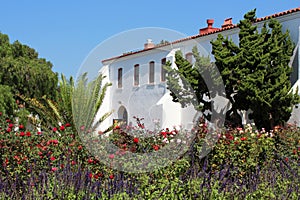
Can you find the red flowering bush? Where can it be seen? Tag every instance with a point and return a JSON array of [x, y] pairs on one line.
[[24, 152], [139, 140], [247, 148]]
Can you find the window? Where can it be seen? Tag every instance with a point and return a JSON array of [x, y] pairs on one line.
[[189, 57], [120, 74], [163, 71], [136, 75], [151, 72]]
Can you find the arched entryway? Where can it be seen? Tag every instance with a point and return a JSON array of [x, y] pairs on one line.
[[122, 114]]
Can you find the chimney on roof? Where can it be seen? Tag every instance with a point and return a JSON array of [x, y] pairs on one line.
[[149, 44], [209, 27], [227, 23]]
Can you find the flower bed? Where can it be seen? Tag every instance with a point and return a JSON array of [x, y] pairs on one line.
[[244, 163]]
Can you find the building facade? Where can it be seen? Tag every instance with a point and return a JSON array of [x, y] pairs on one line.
[[139, 80]]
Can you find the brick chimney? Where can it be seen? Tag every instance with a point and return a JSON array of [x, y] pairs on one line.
[[227, 23], [209, 27], [149, 44]]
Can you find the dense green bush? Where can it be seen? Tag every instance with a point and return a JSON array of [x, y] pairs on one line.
[[7, 101]]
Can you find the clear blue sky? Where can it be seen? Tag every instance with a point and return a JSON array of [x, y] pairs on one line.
[[64, 32]]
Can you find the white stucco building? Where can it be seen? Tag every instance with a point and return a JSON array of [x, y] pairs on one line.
[[138, 79]]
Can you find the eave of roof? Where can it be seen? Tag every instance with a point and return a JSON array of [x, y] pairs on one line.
[[201, 35]]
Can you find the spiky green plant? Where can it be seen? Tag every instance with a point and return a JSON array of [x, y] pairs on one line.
[[87, 100], [77, 105]]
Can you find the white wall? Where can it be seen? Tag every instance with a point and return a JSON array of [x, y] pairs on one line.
[[152, 101]]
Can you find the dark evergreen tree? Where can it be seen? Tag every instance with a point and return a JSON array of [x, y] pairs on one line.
[[256, 72]]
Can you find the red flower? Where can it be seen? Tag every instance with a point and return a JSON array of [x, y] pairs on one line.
[[28, 134], [5, 162], [11, 125], [294, 151], [117, 127], [54, 169], [54, 129], [21, 126], [16, 157], [39, 132], [229, 136], [62, 166], [62, 128], [136, 140], [44, 148], [90, 175], [111, 176], [243, 138], [100, 174], [40, 153], [79, 147], [96, 176], [111, 156], [52, 158], [90, 161], [141, 126], [164, 134], [22, 134], [286, 159], [0, 113], [155, 147], [67, 124], [8, 130], [73, 162]]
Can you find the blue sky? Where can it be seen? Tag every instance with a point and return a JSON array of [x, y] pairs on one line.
[[65, 32]]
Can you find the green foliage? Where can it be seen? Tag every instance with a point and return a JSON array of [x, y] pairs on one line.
[[24, 71], [64, 99], [7, 101], [245, 149], [256, 72], [188, 82], [87, 99], [23, 116], [69, 108]]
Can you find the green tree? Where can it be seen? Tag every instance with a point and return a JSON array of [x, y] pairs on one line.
[[52, 112], [188, 82], [7, 101], [24, 71], [256, 72]]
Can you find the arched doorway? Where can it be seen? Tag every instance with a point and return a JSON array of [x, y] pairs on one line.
[[122, 114]]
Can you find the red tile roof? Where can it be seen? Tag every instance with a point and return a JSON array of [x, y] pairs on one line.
[[204, 34]]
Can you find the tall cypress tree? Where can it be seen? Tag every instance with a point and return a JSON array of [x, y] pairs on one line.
[[256, 72]]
